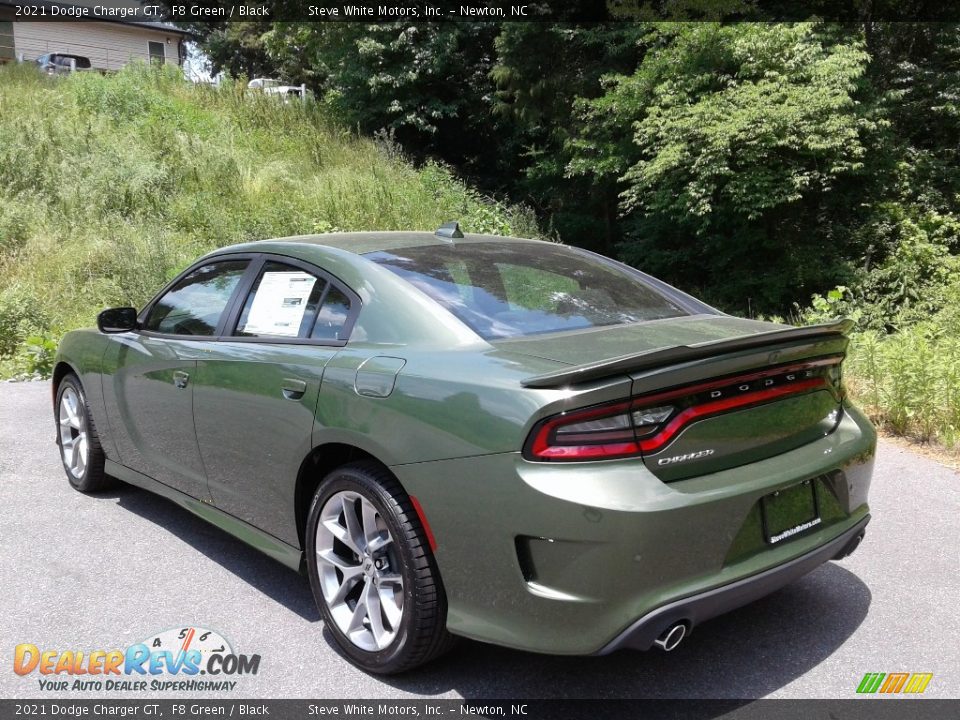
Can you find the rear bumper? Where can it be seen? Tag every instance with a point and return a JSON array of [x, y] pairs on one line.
[[694, 610], [563, 558]]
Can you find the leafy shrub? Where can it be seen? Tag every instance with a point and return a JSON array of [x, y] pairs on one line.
[[909, 382], [21, 314], [39, 353]]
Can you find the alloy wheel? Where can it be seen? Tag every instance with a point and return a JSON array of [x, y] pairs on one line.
[[73, 433], [359, 571]]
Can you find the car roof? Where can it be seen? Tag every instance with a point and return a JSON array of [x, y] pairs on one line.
[[361, 243], [351, 247], [394, 310]]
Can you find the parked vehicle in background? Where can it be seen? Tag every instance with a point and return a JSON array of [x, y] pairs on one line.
[[263, 83], [509, 440], [289, 93], [57, 63], [276, 88]]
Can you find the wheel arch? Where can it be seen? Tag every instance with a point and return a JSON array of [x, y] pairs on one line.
[[320, 462], [60, 371]]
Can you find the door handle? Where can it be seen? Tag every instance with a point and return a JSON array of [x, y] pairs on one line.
[[293, 389], [181, 378]]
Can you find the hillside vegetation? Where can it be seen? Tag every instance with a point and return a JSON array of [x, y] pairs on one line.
[[111, 185], [753, 163]]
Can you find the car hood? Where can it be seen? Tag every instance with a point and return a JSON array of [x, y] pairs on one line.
[[597, 344]]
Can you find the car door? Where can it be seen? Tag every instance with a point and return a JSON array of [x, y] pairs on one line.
[[256, 390], [151, 388]]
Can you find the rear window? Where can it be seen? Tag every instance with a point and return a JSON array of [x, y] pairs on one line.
[[64, 60], [503, 290]]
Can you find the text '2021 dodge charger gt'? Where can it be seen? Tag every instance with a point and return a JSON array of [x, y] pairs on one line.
[[508, 440]]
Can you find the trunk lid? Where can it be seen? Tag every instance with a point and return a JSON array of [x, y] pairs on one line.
[[598, 344], [737, 390]]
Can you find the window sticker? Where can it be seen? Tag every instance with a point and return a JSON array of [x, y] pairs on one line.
[[279, 304]]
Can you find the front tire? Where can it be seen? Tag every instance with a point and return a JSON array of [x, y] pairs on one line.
[[372, 573], [80, 450]]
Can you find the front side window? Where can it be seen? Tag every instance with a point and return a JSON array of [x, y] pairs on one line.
[[503, 290], [65, 61], [193, 306]]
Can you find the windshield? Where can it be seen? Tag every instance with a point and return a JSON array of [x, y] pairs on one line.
[[502, 290]]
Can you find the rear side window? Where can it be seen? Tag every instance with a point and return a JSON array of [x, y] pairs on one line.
[[332, 318], [194, 305], [282, 303], [288, 302], [502, 290]]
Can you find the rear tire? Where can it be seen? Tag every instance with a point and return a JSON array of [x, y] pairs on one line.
[[372, 572], [80, 450]]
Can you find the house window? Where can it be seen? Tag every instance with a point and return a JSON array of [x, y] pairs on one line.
[[157, 53], [6, 41]]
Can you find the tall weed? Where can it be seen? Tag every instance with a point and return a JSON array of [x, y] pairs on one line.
[[909, 381]]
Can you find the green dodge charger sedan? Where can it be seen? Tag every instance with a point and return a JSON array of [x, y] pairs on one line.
[[452, 435]]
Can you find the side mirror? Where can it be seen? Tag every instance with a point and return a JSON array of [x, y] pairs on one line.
[[117, 320]]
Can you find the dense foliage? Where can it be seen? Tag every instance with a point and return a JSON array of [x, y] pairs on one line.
[[755, 164], [110, 185], [823, 154]]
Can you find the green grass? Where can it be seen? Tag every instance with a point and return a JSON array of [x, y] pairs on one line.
[[906, 376], [908, 382], [110, 185]]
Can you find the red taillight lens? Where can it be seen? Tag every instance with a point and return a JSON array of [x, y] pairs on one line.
[[645, 424], [607, 431]]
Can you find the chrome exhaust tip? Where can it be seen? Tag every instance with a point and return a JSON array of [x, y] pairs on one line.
[[671, 637]]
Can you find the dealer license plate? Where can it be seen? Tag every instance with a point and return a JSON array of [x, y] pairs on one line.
[[790, 512]]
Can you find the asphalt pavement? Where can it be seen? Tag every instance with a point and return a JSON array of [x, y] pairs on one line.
[[102, 572]]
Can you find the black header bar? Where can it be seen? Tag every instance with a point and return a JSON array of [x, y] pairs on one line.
[[575, 11], [187, 708]]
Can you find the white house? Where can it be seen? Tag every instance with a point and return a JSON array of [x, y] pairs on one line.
[[108, 45]]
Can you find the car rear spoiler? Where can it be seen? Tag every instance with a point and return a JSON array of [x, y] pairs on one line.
[[679, 353]]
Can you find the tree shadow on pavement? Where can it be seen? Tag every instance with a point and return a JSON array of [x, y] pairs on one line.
[[274, 580]]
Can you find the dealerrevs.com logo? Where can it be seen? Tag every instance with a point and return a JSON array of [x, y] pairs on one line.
[[181, 659], [894, 683]]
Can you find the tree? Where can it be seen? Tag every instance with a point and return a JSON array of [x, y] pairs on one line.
[[424, 83], [542, 70], [742, 139]]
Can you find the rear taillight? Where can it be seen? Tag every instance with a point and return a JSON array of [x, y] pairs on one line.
[[605, 431], [646, 424]]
